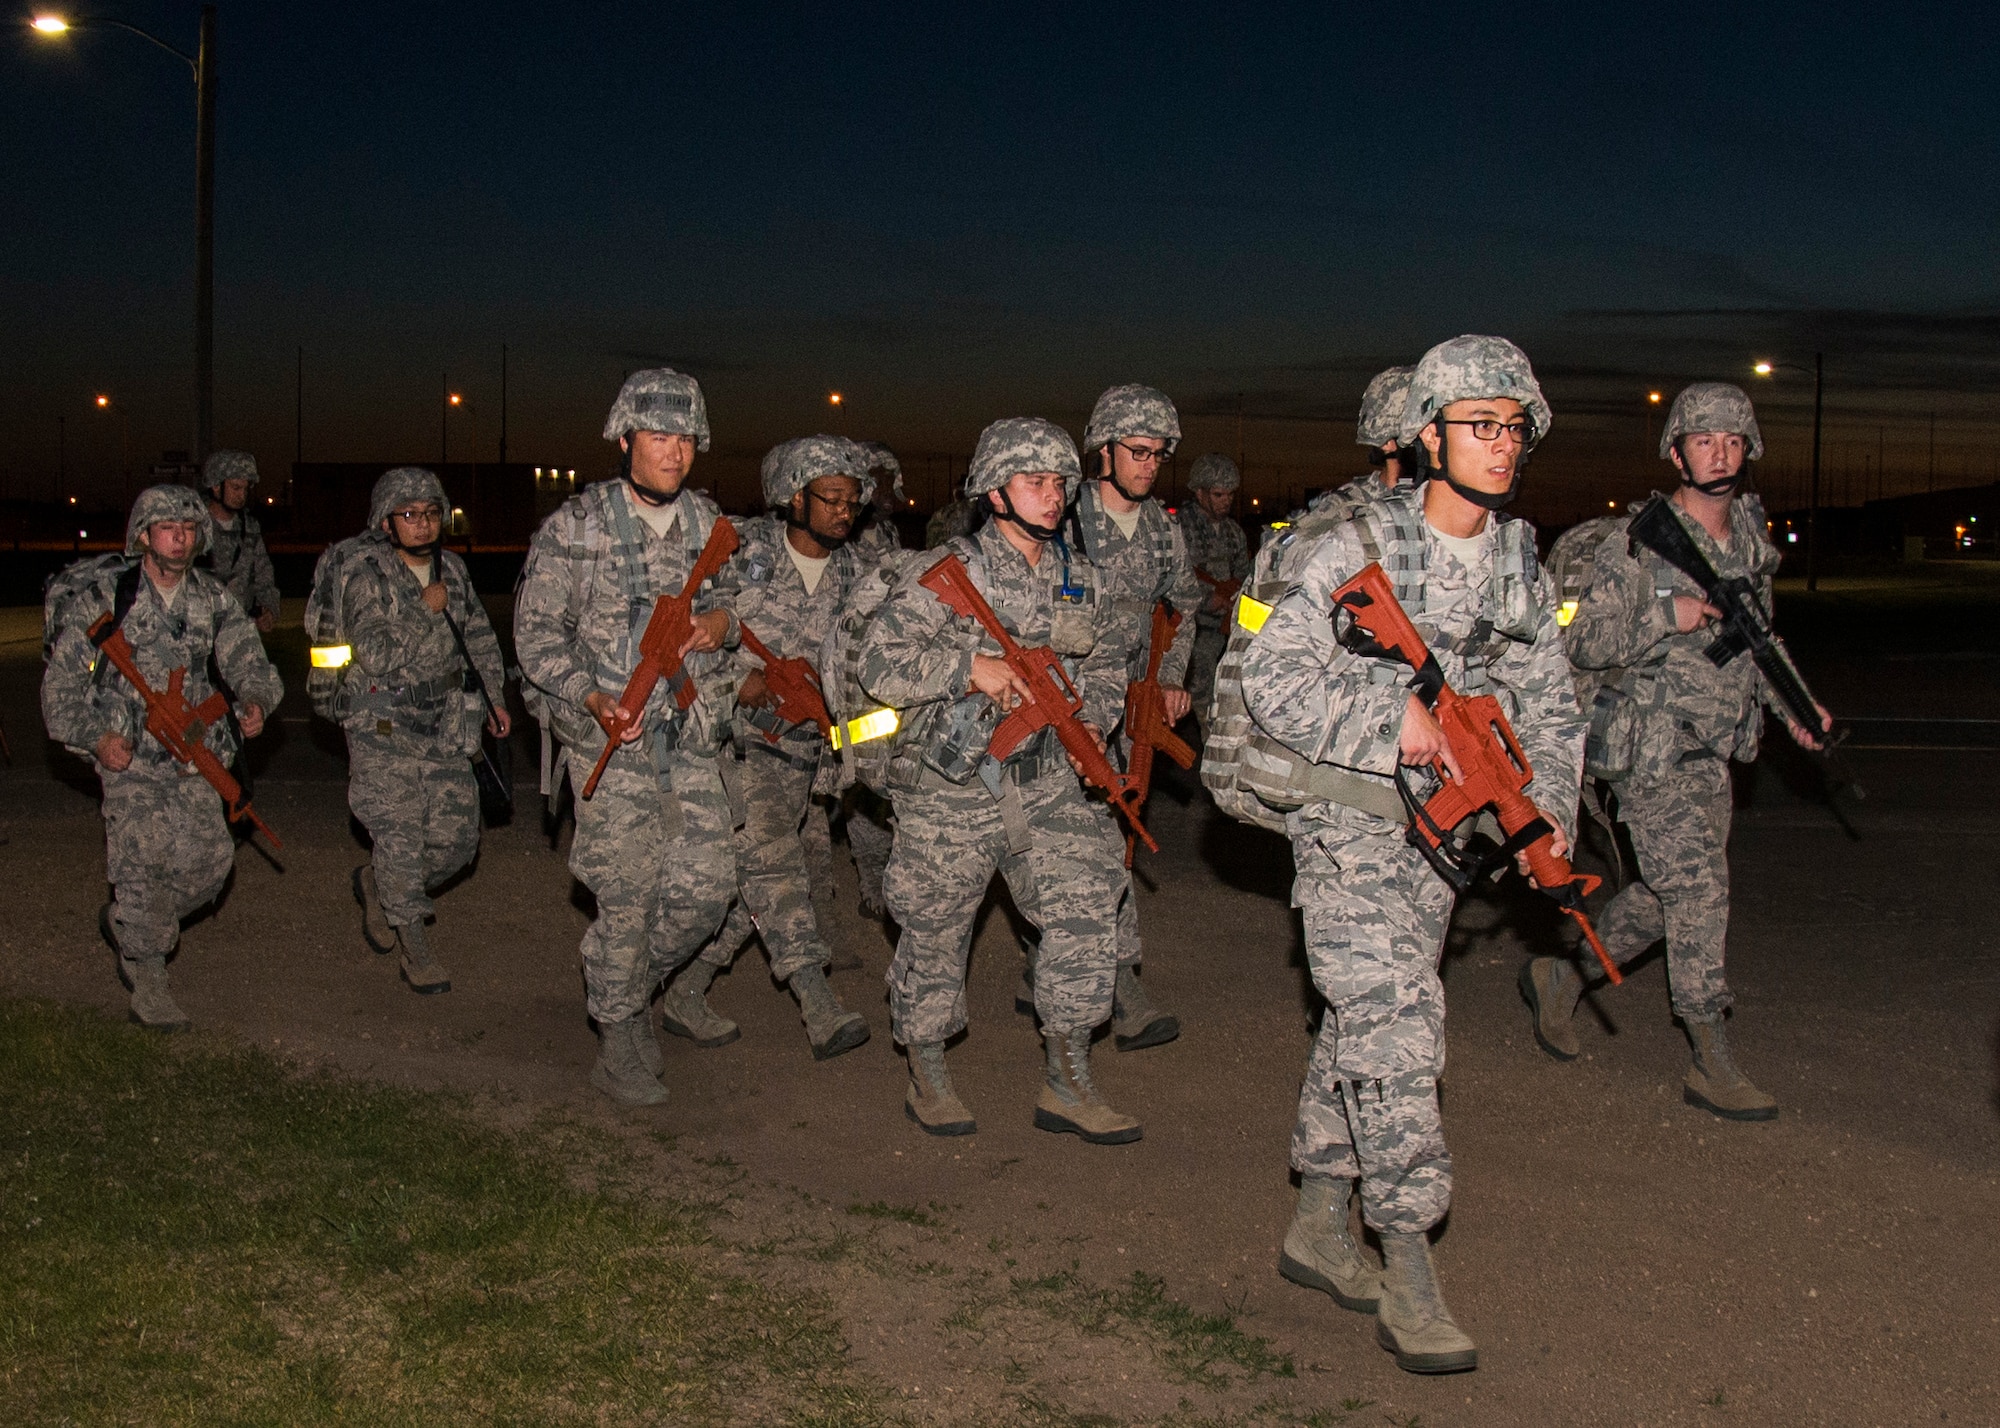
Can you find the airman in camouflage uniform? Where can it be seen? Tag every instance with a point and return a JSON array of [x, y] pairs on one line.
[[1665, 723], [1140, 559], [793, 572], [168, 850], [238, 557], [1218, 550], [412, 724], [1375, 911], [962, 815], [957, 517], [653, 843]]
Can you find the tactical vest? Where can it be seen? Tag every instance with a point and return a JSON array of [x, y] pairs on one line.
[[1155, 530], [1257, 779]]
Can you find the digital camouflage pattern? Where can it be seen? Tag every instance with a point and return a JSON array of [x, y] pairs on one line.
[[916, 655], [1132, 410], [1135, 573], [1687, 719], [1219, 548], [1465, 368], [411, 724], [1214, 470], [169, 503], [223, 466], [770, 473], [1375, 913], [659, 399], [168, 850], [955, 518], [401, 487], [653, 843], [881, 459], [1382, 402], [1014, 445], [1713, 406], [800, 462], [237, 554]]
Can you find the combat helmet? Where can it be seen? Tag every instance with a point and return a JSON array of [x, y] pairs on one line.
[[401, 485], [169, 503], [1713, 406], [802, 461], [1381, 419], [881, 458], [1214, 470], [659, 399], [1466, 369], [228, 466], [1132, 410]]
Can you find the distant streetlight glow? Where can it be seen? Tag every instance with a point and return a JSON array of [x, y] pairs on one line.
[[104, 401], [50, 24], [1653, 397], [456, 399], [833, 399], [1762, 369]]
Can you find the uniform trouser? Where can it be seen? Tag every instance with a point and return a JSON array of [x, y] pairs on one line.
[[1680, 831], [1202, 660], [420, 806], [871, 832], [775, 797], [950, 841], [816, 844], [1375, 919], [167, 850], [653, 845]]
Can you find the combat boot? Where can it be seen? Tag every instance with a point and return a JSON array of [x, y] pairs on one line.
[[930, 1100], [830, 1027], [1550, 987], [425, 975], [1412, 1322], [1713, 1082], [620, 1072], [1136, 1022], [1069, 1099], [1320, 1252], [376, 930], [684, 1010], [153, 1006]]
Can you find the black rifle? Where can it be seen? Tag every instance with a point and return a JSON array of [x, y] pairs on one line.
[[1745, 627], [493, 767]]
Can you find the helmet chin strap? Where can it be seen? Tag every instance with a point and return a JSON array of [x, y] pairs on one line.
[[1720, 486], [651, 498], [1035, 532], [1485, 500]]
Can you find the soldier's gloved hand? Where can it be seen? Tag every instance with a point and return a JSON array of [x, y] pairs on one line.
[[1423, 742], [755, 693], [995, 678], [1175, 703], [251, 720], [434, 597], [114, 751], [611, 714], [706, 632]]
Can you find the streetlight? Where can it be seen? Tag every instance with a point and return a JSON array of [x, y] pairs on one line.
[[1766, 369], [202, 64]]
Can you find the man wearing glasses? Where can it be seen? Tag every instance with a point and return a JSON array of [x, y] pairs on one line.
[[1375, 911], [653, 843], [412, 724], [794, 570], [1140, 559]]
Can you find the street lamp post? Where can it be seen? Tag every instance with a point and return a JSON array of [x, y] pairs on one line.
[[1765, 369], [202, 64]]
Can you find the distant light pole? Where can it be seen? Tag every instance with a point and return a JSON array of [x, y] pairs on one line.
[[202, 64], [1765, 369], [1652, 400]]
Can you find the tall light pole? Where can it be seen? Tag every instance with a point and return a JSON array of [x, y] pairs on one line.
[[202, 65], [1765, 369]]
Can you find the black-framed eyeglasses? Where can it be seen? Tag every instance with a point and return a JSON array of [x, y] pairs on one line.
[[837, 503], [416, 515], [1143, 455], [1486, 429]]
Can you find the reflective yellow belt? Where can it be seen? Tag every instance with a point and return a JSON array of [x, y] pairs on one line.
[[875, 724]]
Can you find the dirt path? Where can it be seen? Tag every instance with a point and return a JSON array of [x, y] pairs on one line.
[[1619, 1256]]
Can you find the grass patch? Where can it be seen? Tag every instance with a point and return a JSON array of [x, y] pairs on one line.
[[190, 1232], [1193, 1347]]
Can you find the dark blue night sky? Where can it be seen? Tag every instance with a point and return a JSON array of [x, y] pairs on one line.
[[957, 213]]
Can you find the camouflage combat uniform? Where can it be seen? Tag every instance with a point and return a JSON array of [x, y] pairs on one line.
[[238, 558], [1058, 851], [1692, 719], [653, 842], [411, 724], [1218, 549], [954, 518], [1375, 912], [168, 849]]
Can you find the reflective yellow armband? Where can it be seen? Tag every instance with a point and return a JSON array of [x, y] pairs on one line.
[[876, 724], [1251, 614], [332, 656], [1566, 612]]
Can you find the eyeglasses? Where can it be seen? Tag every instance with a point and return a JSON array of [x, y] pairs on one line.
[[838, 503], [1142, 455], [419, 515], [1486, 429]]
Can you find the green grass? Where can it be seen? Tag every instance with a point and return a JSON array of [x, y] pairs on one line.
[[191, 1233], [1193, 1347]]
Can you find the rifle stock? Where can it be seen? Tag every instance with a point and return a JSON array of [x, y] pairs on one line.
[[179, 727], [667, 630], [1495, 768], [1053, 702]]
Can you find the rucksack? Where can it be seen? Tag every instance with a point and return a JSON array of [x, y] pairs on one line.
[[71, 599], [332, 657]]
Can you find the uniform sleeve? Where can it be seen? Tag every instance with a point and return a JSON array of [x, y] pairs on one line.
[[1187, 594], [1101, 682], [414, 641], [1308, 692], [1547, 720], [1618, 617], [548, 607], [484, 644], [914, 650], [74, 711], [263, 577], [239, 654]]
